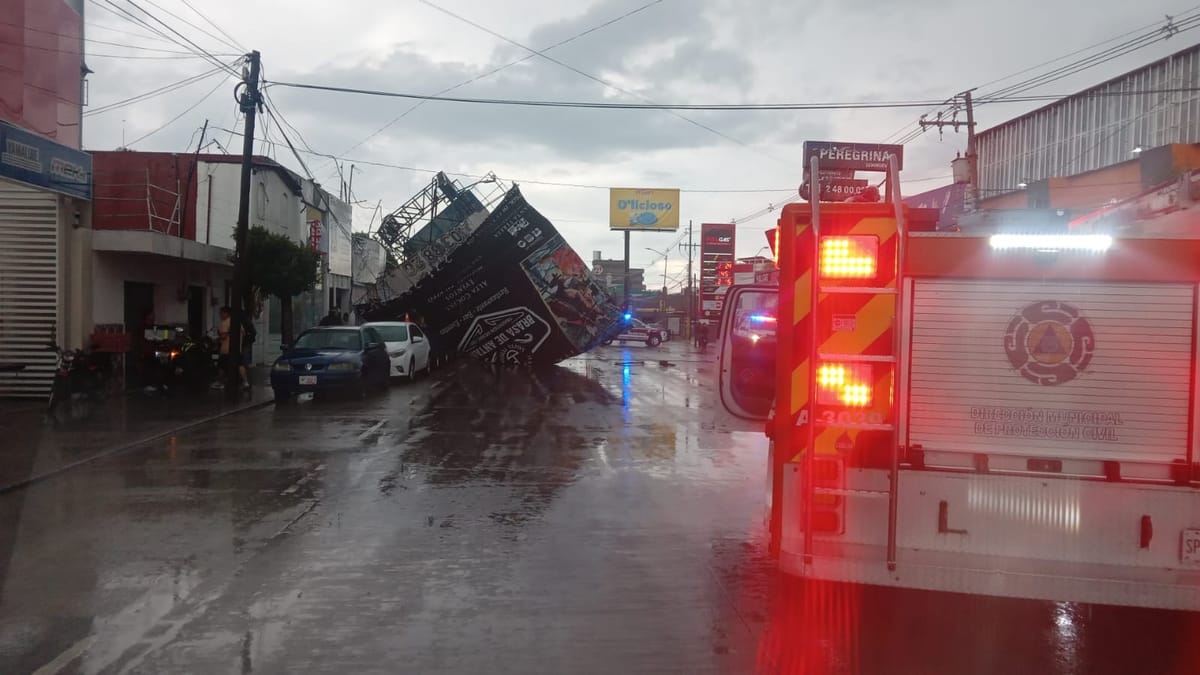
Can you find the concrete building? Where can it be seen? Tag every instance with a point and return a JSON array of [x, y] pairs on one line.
[[612, 273], [164, 238], [45, 189], [1101, 137]]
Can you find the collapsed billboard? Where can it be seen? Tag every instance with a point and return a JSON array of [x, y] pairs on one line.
[[513, 292]]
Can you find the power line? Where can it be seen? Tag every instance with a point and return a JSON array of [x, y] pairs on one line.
[[509, 179], [1096, 59], [166, 89], [724, 107], [123, 45], [214, 25], [222, 40], [600, 80], [185, 111], [503, 67], [1076, 52], [1008, 93], [93, 25], [121, 13], [186, 39], [167, 55]]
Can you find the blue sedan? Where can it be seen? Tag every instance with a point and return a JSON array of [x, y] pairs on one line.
[[348, 358]]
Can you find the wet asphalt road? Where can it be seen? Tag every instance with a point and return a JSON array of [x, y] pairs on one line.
[[601, 517]]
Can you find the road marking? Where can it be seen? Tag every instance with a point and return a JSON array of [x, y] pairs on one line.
[[62, 660], [372, 430]]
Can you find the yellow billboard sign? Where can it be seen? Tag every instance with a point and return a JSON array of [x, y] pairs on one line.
[[639, 209]]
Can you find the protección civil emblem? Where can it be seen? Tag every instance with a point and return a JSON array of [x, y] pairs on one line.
[[1049, 342]]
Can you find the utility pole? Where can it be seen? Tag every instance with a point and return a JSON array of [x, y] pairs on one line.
[[972, 156], [250, 101], [690, 298], [627, 309]]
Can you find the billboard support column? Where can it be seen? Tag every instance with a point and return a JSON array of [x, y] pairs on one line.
[[625, 307]]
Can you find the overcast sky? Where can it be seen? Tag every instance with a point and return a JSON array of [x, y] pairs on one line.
[[679, 51]]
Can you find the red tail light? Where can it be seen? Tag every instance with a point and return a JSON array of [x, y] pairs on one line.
[[845, 384], [849, 257]]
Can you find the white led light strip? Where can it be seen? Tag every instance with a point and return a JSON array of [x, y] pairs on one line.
[[1095, 243]]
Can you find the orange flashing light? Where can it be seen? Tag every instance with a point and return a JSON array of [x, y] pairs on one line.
[[849, 257], [844, 384]]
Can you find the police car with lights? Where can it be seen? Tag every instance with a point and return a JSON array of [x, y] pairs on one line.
[[635, 330]]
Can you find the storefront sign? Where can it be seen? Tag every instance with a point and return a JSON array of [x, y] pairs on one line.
[[28, 158], [853, 156]]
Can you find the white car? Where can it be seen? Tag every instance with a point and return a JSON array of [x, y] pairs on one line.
[[407, 347]]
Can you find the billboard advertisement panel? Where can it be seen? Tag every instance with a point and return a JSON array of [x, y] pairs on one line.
[[716, 266], [642, 209], [512, 293]]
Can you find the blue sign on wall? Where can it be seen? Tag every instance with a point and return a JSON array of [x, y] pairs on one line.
[[40, 162]]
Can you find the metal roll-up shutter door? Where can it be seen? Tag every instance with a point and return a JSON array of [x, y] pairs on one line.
[[1071, 370], [28, 287]]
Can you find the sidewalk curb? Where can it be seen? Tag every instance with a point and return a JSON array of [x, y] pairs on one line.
[[131, 445]]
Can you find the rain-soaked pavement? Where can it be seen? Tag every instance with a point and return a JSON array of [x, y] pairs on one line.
[[602, 517]]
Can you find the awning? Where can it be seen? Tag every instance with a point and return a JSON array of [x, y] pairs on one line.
[[148, 242]]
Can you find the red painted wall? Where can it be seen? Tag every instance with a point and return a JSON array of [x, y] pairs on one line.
[[41, 67], [123, 180]]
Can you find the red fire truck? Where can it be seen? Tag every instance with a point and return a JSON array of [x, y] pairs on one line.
[[1010, 414]]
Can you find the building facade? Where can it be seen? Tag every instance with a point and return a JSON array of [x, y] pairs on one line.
[[45, 189], [612, 273], [164, 238], [1102, 126]]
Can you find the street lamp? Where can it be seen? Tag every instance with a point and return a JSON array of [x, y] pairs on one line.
[[664, 285], [664, 257]]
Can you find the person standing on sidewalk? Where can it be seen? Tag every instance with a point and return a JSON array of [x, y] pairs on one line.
[[246, 354], [223, 346]]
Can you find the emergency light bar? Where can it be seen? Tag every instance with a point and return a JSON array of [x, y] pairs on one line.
[[1093, 243]]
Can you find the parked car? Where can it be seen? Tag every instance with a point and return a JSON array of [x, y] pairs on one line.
[[347, 358], [407, 346], [635, 330]]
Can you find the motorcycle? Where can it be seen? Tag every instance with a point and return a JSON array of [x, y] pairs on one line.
[[80, 380], [183, 364], [194, 366]]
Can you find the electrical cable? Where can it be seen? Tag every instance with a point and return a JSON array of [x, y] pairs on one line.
[[1078, 51], [165, 89], [221, 40], [94, 41], [724, 107], [500, 68], [212, 23], [527, 181], [124, 14], [185, 111], [602, 81], [1007, 93], [197, 48], [1091, 61], [94, 25]]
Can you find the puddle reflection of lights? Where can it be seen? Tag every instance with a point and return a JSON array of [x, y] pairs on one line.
[[626, 388], [1066, 631]]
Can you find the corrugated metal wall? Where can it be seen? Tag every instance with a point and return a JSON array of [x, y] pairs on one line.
[[1095, 128], [28, 286]]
